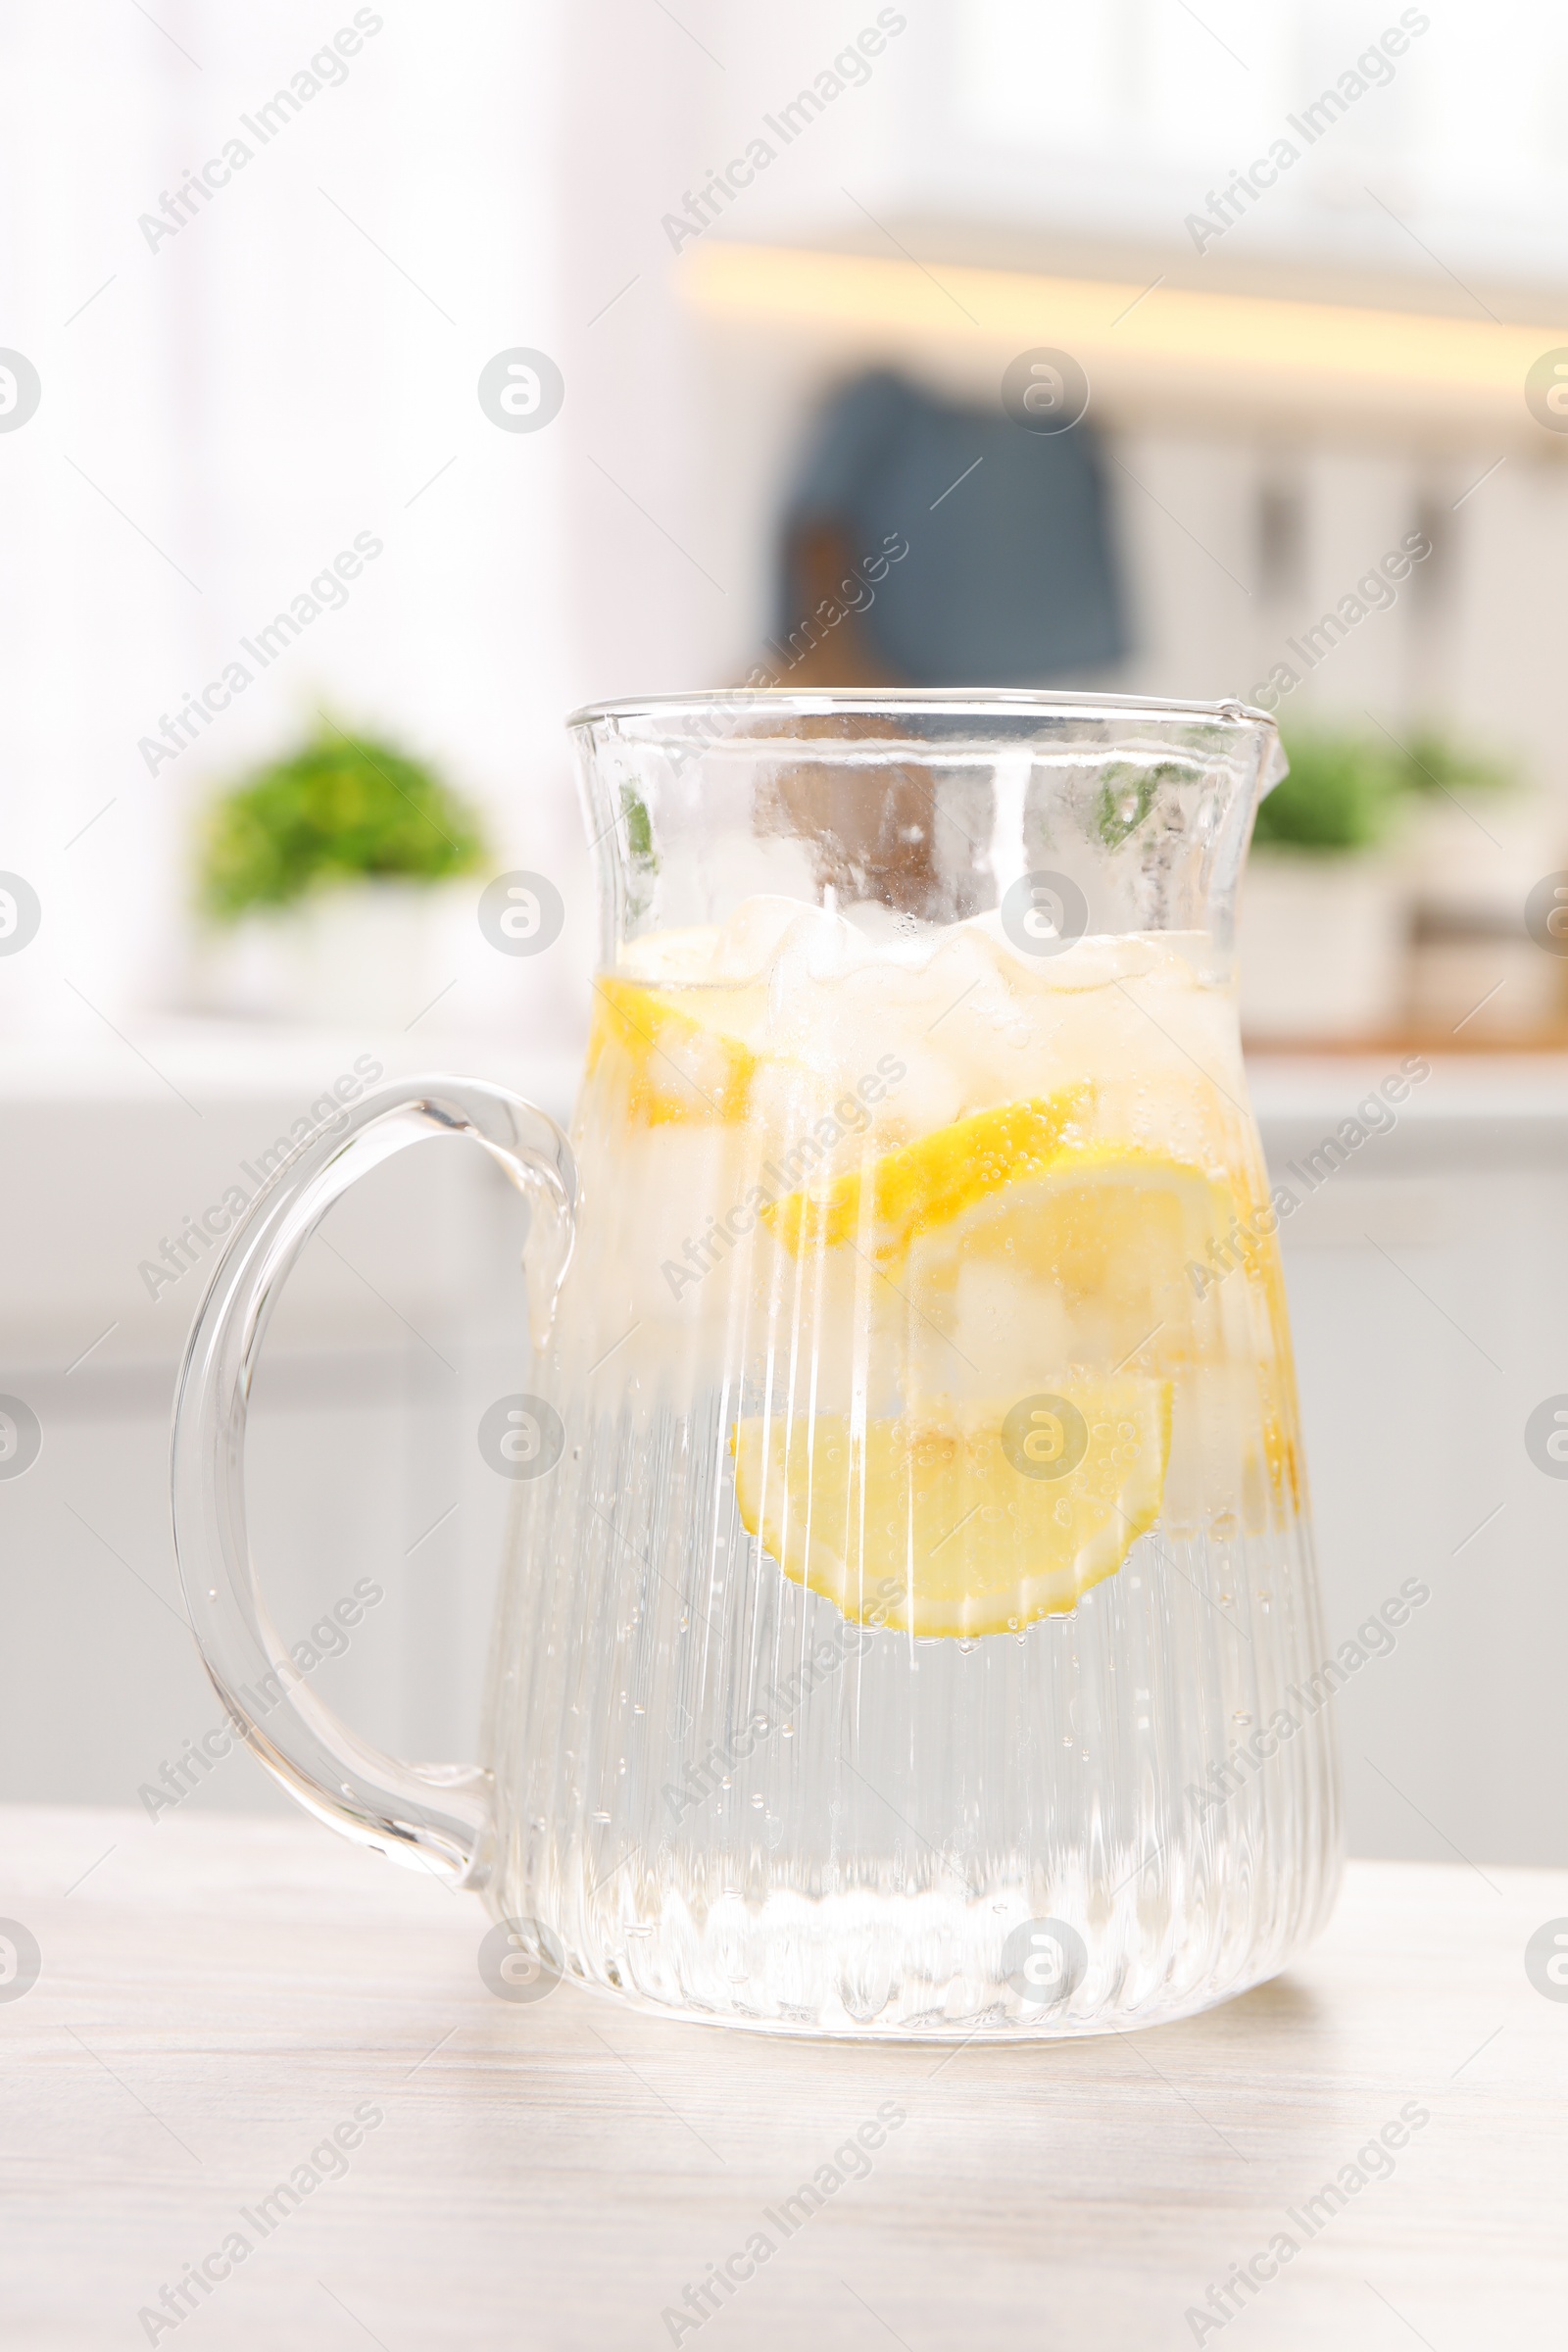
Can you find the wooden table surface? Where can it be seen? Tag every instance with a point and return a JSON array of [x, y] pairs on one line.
[[218, 1997]]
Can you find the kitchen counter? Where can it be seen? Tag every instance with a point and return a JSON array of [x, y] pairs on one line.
[[222, 1997]]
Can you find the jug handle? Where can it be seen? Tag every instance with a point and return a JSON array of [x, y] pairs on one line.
[[435, 1817]]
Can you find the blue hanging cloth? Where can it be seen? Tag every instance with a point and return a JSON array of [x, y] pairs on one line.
[[1011, 577]]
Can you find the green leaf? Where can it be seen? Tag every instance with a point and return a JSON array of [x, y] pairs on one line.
[[341, 808], [1126, 796], [1347, 792], [1340, 793], [1434, 764], [639, 829]]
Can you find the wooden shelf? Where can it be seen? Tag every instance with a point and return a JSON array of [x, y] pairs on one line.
[[1399, 1042]]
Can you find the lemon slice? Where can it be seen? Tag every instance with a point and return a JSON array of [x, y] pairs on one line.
[[1100, 1209], [1104, 1257], [938, 1529], [925, 1185], [681, 1068], [1019, 1231]]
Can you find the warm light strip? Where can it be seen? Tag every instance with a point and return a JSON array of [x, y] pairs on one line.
[[1126, 333]]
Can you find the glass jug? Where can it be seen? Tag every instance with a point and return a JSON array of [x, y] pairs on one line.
[[910, 1608]]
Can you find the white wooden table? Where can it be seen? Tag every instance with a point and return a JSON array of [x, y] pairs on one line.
[[219, 1995]]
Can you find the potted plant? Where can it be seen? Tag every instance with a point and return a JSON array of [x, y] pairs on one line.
[[1322, 925], [323, 881]]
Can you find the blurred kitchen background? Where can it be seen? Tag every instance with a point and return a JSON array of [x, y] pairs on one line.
[[1306, 262]]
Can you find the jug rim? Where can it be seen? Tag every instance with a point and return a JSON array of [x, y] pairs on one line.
[[951, 700]]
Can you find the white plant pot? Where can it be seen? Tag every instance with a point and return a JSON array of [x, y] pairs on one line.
[[369, 956], [1487, 854], [1321, 945], [1475, 972]]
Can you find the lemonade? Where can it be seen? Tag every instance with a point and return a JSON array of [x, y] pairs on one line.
[[1028, 1194]]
